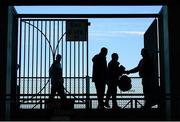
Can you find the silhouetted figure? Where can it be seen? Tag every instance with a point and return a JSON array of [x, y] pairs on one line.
[[114, 72], [145, 69], [55, 73], [99, 76]]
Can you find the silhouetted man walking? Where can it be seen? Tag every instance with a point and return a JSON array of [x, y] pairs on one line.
[[57, 81], [99, 76]]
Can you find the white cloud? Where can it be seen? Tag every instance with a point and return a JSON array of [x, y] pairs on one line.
[[118, 24], [115, 33]]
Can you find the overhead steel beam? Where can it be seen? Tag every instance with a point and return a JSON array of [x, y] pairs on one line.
[[87, 2]]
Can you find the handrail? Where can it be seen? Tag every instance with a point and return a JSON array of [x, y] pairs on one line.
[[135, 102]]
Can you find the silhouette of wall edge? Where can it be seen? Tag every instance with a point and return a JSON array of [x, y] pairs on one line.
[[174, 48]]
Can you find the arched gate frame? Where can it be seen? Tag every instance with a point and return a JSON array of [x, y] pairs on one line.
[[39, 40]]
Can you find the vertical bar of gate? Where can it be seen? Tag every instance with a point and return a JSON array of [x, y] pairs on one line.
[[45, 58], [83, 80], [79, 68], [41, 62], [53, 39], [58, 40], [61, 46], [49, 51], [66, 63], [24, 59], [37, 60], [87, 77], [83, 65], [70, 68], [32, 58], [20, 42], [54, 44], [28, 59]]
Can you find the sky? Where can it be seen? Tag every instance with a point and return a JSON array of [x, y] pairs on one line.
[[124, 36], [87, 9]]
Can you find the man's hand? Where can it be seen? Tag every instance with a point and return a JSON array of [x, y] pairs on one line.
[[127, 72]]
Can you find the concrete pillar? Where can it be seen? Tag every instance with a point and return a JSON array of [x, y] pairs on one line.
[[8, 49], [174, 48], [3, 56]]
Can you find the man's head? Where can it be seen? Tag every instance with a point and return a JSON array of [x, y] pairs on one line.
[[144, 52], [114, 56], [58, 57], [104, 51]]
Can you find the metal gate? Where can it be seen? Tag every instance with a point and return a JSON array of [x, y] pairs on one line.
[[38, 40]]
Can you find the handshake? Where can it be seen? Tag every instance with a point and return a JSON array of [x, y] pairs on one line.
[[127, 72], [122, 68]]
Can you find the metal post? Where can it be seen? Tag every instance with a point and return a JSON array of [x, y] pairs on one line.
[[87, 77], [87, 93]]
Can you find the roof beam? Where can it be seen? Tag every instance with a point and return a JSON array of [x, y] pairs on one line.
[[87, 2]]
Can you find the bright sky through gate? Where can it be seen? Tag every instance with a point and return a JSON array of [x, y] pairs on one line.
[[124, 36]]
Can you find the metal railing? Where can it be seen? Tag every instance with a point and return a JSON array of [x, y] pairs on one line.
[[79, 103], [34, 95]]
